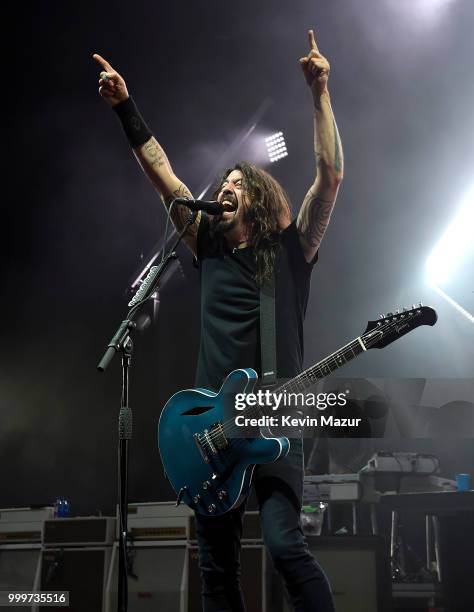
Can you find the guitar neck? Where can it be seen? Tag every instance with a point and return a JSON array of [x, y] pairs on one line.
[[326, 366]]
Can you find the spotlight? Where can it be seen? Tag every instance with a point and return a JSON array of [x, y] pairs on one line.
[[452, 250], [276, 147], [455, 243]]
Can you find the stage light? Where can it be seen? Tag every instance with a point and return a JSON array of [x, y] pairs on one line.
[[423, 9], [452, 250], [276, 147], [430, 6], [454, 244]]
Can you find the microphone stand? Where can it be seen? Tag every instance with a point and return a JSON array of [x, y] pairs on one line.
[[122, 341]]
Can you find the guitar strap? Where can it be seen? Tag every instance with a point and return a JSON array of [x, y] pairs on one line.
[[268, 333]]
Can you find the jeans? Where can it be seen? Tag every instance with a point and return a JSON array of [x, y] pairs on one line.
[[278, 487]]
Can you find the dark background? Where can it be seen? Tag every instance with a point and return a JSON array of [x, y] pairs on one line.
[[79, 214]]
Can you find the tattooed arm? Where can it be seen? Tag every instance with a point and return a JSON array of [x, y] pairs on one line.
[[150, 155], [317, 206], [156, 166], [318, 203]]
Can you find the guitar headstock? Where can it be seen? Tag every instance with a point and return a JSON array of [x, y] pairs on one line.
[[392, 326]]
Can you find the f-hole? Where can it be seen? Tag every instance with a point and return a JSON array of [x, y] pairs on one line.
[[197, 410]]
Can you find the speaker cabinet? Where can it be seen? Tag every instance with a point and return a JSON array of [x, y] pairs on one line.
[[81, 571], [19, 566], [358, 570], [157, 580], [253, 563]]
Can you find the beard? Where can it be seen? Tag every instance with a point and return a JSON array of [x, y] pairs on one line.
[[219, 226]]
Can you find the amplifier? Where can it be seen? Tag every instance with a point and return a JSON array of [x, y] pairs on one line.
[[79, 531], [19, 567], [332, 487], [164, 521], [157, 579], [158, 521], [358, 570], [23, 524], [81, 571], [402, 462]]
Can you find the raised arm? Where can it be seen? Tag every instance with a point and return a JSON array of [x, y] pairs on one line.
[[318, 203], [147, 150]]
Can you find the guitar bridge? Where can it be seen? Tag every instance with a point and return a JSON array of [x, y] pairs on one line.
[[218, 437], [211, 441]]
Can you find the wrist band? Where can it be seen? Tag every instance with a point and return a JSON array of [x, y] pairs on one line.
[[133, 124]]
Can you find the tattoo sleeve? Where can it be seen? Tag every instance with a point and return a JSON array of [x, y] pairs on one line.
[[154, 155], [313, 219], [179, 213], [315, 213], [156, 166]]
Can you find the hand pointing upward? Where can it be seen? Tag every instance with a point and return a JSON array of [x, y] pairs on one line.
[[112, 87], [315, 67]]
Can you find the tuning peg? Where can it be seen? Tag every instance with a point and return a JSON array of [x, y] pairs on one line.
[[381, 316], [420, 304], [404, 309], [397, 311], [413, 306], [389, 314]]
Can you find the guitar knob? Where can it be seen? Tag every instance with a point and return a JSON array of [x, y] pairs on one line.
[[222, 494], [211, 508], [206, 484], [197, 498]]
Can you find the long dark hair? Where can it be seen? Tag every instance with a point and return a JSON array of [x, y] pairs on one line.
[[268, 214]]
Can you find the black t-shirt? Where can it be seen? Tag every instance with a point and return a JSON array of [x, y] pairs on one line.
[[230, 307]]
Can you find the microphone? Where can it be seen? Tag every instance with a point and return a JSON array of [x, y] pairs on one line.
[[212, 207]]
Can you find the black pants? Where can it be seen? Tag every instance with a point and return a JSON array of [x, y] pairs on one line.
[[279, 490]]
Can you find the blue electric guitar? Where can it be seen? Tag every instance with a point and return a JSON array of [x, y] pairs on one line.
[[208, 461]]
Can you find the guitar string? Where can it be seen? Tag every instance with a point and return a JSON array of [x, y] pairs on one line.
[[230, 424], [236, 444], [307, 375], [309, 372]]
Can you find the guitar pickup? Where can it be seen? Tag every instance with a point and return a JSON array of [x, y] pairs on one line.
[[202, 452]]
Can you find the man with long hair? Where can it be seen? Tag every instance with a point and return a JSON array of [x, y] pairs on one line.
[[252, 241]]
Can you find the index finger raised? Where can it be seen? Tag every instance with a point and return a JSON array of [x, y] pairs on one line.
[[312, 41], [104, 63]]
